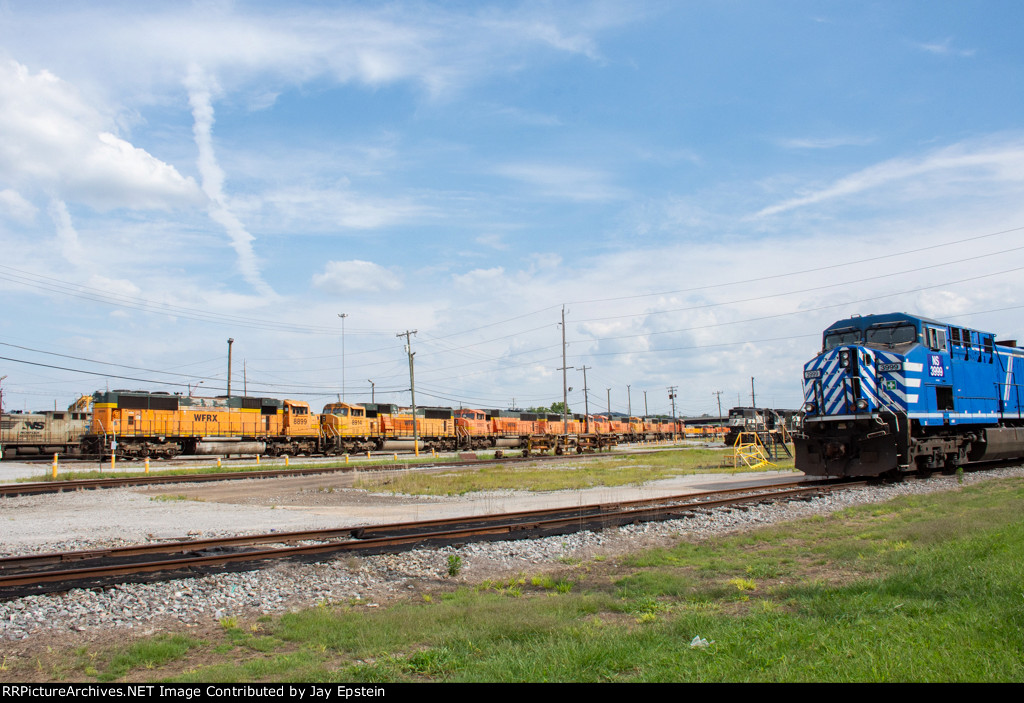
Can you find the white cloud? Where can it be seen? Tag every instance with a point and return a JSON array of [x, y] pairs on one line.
[[260, 49], [494, 241], [330, 209], [67, 237], [201, 88], [825, 142], [16, 207], [927, 176], [56, 142], [356, 275], [944, 48], [563, 182]]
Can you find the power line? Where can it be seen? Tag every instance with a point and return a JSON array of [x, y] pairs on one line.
[[801, 272]]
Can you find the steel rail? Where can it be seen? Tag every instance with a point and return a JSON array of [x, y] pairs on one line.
[[8, 564], [42, 487], [494, 527]]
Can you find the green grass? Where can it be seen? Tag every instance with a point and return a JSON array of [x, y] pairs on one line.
[[573, 474], [924, 588]]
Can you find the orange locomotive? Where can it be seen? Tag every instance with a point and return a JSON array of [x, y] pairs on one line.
[[142, 424], [138, 424]]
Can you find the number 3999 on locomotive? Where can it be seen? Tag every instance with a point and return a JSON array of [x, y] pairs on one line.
[[899, 393]]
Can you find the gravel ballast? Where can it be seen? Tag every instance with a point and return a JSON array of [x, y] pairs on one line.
[[373, 579]]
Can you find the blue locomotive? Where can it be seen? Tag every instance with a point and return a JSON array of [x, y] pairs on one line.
[[897, 392]]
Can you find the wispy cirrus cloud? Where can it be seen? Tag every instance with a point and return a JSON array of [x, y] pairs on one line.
[[825, 142], [944, 48], [563, 182], [201, 86], [260, 49], [961, 164]]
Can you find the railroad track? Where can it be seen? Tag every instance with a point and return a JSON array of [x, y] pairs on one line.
[[47, 573], [59, 486]]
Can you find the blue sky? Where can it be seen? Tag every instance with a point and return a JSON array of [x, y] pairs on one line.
[[704, 185]]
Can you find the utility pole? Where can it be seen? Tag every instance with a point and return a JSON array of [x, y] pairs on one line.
[[609, 405], [230, 342], [645, 405], [1, 407], [629, 402], [373, 387], [343, 315], [412, 387], [753, 398], [565, 391], [719, 394], [586, 403], [672, 397]]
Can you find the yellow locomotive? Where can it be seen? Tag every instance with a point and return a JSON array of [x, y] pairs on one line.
[[141, 424]]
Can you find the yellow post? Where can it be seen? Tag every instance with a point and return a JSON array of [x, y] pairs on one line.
[[218, 462], [286, 460], [367, 453], [147, 464], [113, 461], [416, 445], [55, 466], [257, 460], [395, 456], [346, 458]]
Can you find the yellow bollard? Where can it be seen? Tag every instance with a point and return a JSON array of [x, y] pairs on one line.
[[55, 466], [367, 453], [147, 464], [286, 460], [416, 445], [395, 455], [346, 458], [113, 461], [218, 462], [257, 460]]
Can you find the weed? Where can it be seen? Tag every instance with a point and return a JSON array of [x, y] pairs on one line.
[[743, 584], [454, 564], [229, 623], [545, 582], [960, 475]]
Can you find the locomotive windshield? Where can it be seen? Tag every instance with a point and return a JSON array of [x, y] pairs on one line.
[[841, 337], [891, 336]]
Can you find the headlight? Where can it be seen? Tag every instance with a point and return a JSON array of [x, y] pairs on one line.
[[810, 407], [862, 404]]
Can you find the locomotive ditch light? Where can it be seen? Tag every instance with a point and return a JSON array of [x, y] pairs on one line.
[[810, 407], [862, 404]]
